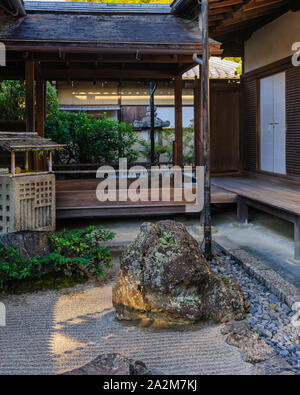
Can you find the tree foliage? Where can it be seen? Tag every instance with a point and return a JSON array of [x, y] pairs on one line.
[[12, 101], [237, 60], [91, 140]]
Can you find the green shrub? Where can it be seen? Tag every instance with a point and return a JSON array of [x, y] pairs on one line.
[[91, 140], [12, 101], [12, 267], [166, 146], [73, 252], [78, 251]]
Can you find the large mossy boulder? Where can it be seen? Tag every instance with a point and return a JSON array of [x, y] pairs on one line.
[[164, 275]]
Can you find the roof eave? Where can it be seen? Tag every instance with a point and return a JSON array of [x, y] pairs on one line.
[[142, 48]]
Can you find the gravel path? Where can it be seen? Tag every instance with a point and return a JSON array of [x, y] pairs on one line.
[[270, 318], [52, 332]]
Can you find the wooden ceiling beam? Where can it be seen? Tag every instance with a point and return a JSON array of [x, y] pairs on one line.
[[254, 5], [83, 58], [226, 3], [99, 74], [217, 11], [243, 16]]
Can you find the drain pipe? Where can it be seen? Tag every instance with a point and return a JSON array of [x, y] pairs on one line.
[[204, 62], [153, 87], [18, 5]]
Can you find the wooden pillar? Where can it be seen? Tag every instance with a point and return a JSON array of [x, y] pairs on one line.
[[27, 161], [13, 164], [40, 106], [206, 132], [40, 162], [198, 132], [50, 162], [178, 120], [242, 211], [152, 118], [297, 239], [120, 101], [30, 113]]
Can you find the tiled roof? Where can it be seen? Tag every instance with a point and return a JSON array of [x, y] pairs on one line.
[[101, 28], [15, 142], [94, 8], [218, 69]]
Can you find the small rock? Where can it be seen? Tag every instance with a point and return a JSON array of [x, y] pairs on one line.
[[284, 353], [274, 366], [267, 333], [235, 326], [255, 351], [239, 339], [111, 364]]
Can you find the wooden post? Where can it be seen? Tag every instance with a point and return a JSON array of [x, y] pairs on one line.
[[27, 161], [198, 135], [152, 117], [40, 106], [297, 239], [206, 132], [13, 163], [30, 114], [178, 119], [242, 211], [40, 163], [50, 161]]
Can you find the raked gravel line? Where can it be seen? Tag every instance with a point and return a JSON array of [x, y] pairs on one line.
[[52, 332]]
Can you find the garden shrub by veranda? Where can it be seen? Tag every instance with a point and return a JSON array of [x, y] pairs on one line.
[[73, 252], [91, 140]]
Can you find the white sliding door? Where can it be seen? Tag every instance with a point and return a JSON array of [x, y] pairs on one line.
[[273, 124]]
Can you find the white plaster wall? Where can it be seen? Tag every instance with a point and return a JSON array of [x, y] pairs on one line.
[[168, 114], [273, 41]]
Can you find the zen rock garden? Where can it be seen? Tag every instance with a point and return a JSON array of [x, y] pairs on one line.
[[164, 276]]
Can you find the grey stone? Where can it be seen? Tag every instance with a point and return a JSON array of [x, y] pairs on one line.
[[241, 338], [274, 366], [255, 351], [28, 243], [235, 326], [111, 364]]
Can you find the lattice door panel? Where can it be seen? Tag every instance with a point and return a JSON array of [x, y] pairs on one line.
[[36, 201]]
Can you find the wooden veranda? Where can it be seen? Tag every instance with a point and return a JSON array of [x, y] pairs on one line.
[[272, 195]]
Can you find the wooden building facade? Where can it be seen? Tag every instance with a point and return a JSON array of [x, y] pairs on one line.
[[157, 43], [272, 100], [266, 34]]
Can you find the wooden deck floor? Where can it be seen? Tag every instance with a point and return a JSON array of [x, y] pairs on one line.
[[278, 199], [285, 197], [77, 198]]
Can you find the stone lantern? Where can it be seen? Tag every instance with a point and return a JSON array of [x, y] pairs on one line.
[[145, 126], [27, 197]]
